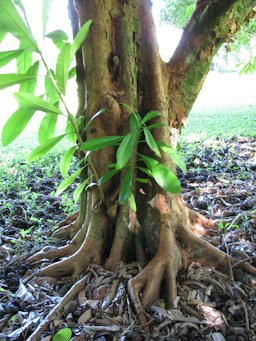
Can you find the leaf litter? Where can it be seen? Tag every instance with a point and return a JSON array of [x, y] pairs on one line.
[[220, 184]]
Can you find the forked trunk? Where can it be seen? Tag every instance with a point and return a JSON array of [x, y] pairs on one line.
[[122, 69]]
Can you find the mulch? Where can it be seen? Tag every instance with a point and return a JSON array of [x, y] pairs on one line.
[[220, 184]]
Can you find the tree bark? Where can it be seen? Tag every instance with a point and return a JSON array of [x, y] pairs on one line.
[[121, 64]]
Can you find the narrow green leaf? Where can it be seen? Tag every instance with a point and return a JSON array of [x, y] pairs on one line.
[[145, 170], [2, 34], [79, 190], [24, 61], [177, 157], [34, 102], [132, 202], [58, 37], [15, 125], [126, 186], [72, 72], [8, 56], [151, 141], [134, 121], [10, 79], [70, 131], [50, 91], [44, 149], [125, 150], [65, 161], [68, 181], [64, 334], [163, 176], [47, 128], [142, 180], [108, 175], [62, 67], [101, 142], [79, 38], [150, 115], [30, 85], [46, 11], [12, 22]]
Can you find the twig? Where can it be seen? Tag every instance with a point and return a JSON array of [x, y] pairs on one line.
[[56, 310], [243, 261], [246, 315]]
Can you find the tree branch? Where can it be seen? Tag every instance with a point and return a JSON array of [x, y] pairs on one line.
[[212, 23]]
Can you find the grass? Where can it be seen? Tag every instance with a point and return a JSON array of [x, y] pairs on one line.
[[226, 107]]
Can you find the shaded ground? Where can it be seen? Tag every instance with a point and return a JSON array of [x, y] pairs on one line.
[[210, 306]]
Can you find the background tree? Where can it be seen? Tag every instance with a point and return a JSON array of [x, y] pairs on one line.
[[127, 213]]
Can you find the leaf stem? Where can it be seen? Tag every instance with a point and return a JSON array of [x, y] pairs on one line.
[[72, 120]]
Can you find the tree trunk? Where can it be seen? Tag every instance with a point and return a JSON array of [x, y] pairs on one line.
[[121, 64]]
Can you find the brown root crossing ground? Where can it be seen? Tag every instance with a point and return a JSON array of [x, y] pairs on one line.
[[220, 184]]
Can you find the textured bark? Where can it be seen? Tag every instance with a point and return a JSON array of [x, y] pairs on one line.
[[121, 64]]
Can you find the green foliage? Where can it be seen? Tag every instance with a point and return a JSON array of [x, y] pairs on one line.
[[177, 12], [55, 84], [12, 22], [127, 158]]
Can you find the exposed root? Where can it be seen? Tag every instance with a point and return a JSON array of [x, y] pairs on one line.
[[206, 254], [92, 250], [69, 220], [59, 252], [199, 225], [67, 231]]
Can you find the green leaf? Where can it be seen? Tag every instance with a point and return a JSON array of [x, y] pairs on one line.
[[79, 38], [34, 102], [64, 334], [101, 142], [177, 157], [142, 180], [132, 202], [12, 22], [68, 181], [72, 72], [70, 131], [10, 79], [47, 128], [15, 125], [126, 186], [125, 150], [30, 85], [2, 35], [134, 121], [44, 149], [65, 161], [46, 10], [79, 190], [150, 115], [58, 37], [50, 91], [62, 67], [108, 175], [151, 141], [163, 176], [145, 170], [189, 10], [24, 61], [8, 56]]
